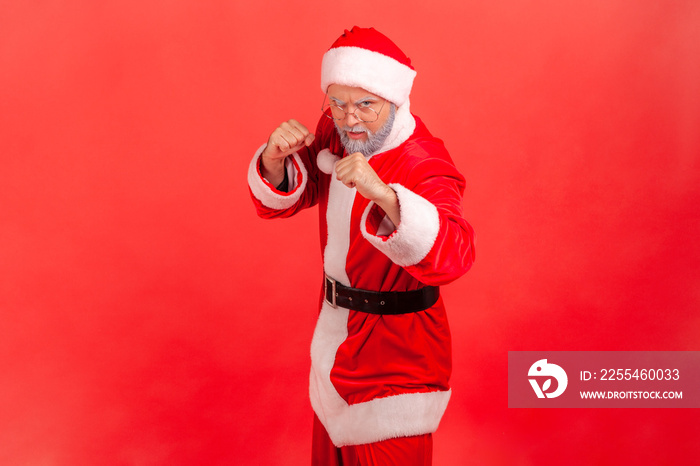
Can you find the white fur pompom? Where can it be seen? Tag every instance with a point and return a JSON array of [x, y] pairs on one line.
[[326, 161]]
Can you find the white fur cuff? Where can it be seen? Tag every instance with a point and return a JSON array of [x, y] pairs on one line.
[[416, 234], [266, 193]]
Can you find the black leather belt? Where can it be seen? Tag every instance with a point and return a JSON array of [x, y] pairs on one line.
[[379, 302]]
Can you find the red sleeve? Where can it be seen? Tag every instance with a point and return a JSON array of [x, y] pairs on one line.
[[434, 243]]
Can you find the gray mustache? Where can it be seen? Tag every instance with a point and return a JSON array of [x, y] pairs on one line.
[[356, 129]]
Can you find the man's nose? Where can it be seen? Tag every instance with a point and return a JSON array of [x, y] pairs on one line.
[[351, 119]]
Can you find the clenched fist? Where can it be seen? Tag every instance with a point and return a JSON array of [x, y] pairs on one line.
[[354, 171], [286, 139]]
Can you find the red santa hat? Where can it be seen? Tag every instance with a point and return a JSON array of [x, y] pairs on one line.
[[366, 58]]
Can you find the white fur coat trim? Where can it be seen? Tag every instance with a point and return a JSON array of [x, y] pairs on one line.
[[271, 197], [338, 218], [404, 126], [372, 421], [415, 235]]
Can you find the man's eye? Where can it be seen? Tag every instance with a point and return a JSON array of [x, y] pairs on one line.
[[365, 104]]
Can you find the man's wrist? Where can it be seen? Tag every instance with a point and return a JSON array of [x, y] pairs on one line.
[[389, 203], [284, 185], [272, 170], [388, 196]]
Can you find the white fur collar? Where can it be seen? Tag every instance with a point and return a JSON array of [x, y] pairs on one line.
[[404, 126]]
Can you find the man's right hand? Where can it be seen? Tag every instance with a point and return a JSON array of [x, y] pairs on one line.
[[289, 137]]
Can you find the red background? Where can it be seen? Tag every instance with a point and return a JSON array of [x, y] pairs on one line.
[[150, 318]]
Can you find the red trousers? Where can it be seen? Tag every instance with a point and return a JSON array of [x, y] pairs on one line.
[[404, 451]]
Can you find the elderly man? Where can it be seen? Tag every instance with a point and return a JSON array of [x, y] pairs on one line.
[[392, 232]]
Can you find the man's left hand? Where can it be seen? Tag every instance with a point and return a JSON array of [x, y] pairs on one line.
[[354, 171]]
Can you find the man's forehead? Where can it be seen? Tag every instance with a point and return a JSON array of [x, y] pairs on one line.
[[341, 91]]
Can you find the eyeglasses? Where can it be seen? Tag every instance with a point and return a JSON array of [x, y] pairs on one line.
[[363, 111]]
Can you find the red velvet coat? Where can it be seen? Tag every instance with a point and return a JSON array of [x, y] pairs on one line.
[[376, 377]]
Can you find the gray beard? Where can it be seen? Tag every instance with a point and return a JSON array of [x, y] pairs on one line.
[[374, 142]]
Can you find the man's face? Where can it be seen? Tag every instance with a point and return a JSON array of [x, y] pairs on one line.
[[356, 135]]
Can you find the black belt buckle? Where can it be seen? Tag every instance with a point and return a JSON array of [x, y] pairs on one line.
[[333, 292]]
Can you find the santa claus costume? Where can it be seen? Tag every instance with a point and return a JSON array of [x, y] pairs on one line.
[[377, 376]]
